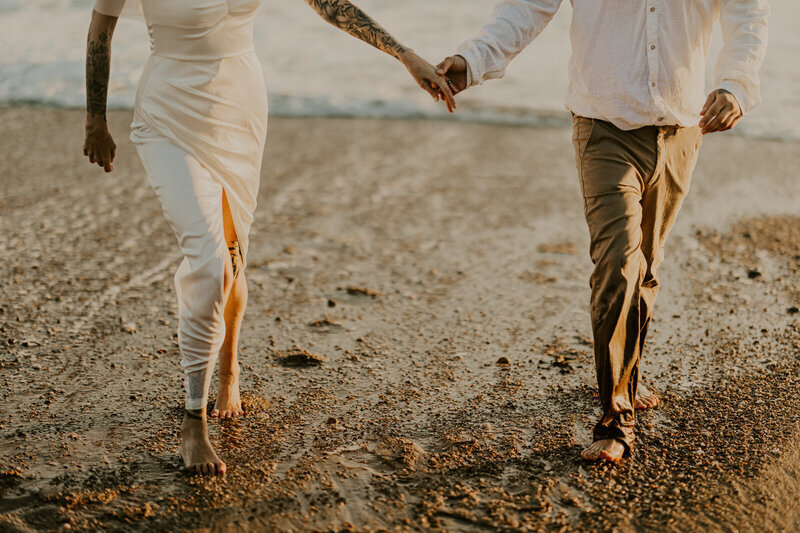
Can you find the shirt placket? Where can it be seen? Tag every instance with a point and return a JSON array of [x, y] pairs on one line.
[[654, 9]]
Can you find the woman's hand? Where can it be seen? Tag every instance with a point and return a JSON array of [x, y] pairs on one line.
[[426, 77], [99, 147]]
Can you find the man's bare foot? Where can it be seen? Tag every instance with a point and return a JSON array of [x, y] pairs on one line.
[[228, 404], [645, 399], [610, 450], [196, 450]]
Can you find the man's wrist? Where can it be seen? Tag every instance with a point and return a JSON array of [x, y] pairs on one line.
[[467, 70], [736, 91], [726, 91]]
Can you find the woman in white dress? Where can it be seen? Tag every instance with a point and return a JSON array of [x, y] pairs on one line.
[[199, 125]]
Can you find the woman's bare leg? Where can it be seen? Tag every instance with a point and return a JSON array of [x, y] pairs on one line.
[[228, 404]]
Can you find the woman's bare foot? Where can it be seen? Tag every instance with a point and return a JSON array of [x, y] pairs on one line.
[[196, 450], [610, 450], [228, 404], [645, 399]]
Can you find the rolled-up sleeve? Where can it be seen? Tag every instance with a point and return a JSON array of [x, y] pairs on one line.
[[512, 27], [744, 32], [112, 8]]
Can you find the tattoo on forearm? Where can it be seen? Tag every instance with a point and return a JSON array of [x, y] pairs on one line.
[[346, 16], [98, 67]]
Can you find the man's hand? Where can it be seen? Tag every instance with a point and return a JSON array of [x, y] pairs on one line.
[[455, 69], [721, 112]]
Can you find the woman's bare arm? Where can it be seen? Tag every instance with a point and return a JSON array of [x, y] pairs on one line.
[[345, 16], [99, 145], [350, 18]]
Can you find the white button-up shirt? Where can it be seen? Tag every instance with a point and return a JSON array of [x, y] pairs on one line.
[[634, 62]]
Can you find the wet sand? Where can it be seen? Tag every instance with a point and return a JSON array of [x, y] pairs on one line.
[[394, 264]]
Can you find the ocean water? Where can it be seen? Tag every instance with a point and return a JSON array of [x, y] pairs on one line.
[[313, 69]]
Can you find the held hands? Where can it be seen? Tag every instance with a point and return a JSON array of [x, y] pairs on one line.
[[99, 147], [426, 77], [721, 112], [449, 78], [455, 69]]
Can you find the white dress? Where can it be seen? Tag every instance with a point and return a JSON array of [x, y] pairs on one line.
[[200, 124]]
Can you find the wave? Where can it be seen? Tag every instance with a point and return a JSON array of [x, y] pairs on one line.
[[283, 105], [315, 70]]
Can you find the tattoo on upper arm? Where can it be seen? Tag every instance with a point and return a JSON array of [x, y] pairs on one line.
[[346, 16], [98, 68]]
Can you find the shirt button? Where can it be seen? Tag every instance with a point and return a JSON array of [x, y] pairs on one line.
[[652, 9], [652, 47], [661, 119], [652, 84]]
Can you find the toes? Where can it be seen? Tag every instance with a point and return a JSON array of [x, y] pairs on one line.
[[204, 469], [647, 402], [590, 454], [225, 414]]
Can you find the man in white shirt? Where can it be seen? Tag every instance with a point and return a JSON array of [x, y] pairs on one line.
[[636, 92]]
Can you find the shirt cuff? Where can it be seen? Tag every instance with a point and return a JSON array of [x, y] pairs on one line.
[[474, 76], [738, 92]]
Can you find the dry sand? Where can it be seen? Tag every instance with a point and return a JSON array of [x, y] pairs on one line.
[[460, 245]]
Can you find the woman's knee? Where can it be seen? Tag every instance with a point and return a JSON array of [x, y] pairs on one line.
[[228, 276], [236, 262]]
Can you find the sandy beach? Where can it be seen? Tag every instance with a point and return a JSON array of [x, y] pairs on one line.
[[417, 349]]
